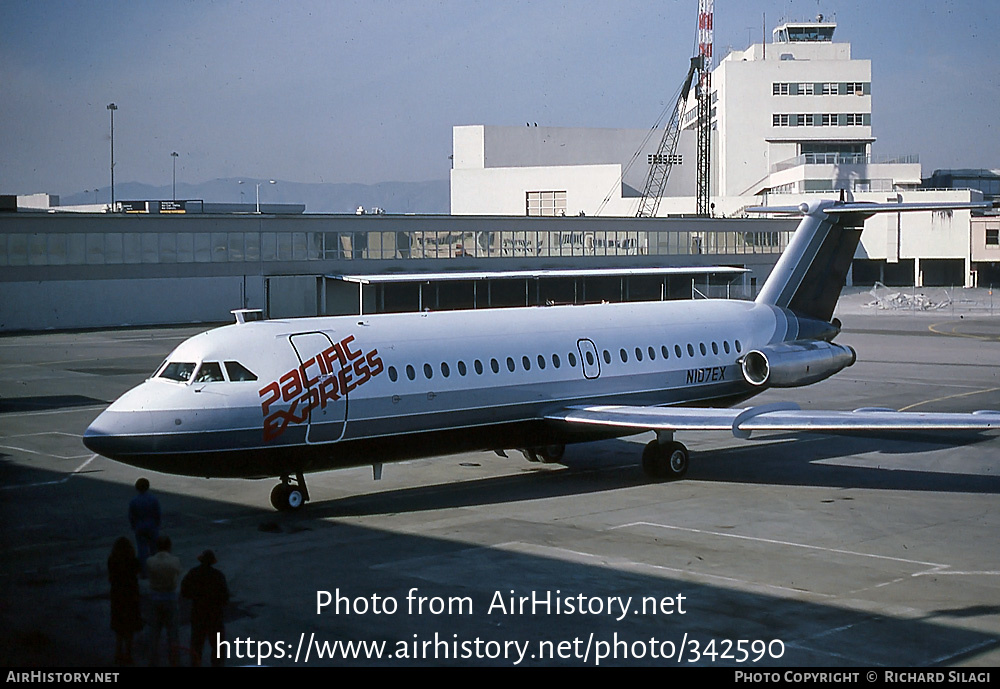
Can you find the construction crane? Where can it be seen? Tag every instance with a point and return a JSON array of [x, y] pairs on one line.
[[666, 154], [663, 160]]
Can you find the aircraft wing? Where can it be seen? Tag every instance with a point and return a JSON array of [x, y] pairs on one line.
[[774, 417]]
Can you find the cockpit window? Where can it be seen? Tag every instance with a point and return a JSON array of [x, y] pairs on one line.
[[210, 372], [178, 371], [238, 372]]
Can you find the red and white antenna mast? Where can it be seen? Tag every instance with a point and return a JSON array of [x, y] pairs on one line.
[[706, 11]]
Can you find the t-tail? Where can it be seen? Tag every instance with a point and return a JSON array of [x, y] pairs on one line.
[[809, 275]]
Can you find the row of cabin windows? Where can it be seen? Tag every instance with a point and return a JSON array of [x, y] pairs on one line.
[[541, 362]]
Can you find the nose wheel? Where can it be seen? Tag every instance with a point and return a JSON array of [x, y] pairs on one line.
[[288, 496]]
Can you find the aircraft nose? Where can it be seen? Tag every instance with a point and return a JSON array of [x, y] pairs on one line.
[[97, 439], [115, 434]]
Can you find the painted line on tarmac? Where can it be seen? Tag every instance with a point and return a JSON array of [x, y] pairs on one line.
[[38, 452], [948, 397], [43, 454], [639, 566], [934, 328], [931, 566], [970, 573], [63, 410], [52, 483]]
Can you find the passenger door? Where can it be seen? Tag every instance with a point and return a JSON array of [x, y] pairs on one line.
[[589, 360], [319, 368]]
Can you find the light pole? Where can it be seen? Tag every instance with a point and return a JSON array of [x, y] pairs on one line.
[[270, 181], [112, 107], [174, 156]]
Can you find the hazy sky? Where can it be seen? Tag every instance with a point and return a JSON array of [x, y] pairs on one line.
[[368, 91]]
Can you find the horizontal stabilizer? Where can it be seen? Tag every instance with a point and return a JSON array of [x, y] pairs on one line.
[[862, 207], [809, 275]]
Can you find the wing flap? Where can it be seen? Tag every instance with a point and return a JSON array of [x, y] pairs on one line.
[[774, 417]]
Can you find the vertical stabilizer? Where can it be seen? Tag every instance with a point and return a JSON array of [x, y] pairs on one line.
[[808, 277]]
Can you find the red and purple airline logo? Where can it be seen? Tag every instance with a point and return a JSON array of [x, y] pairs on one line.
[[323, 379]]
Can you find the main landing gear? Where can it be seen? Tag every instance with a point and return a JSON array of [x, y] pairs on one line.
[[288, 496], [665, 459], [544, 453]]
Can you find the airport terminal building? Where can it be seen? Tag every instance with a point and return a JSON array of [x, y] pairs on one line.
[[79, 270]]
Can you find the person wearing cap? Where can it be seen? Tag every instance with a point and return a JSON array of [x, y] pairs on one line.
[[208, 592], [144, 517]]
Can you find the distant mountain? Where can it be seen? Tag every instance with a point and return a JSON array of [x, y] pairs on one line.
[[392, 197]]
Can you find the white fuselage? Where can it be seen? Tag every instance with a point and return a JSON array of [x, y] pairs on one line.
[[348, 390]]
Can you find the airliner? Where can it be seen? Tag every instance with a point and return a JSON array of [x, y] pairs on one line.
[[286, 397]]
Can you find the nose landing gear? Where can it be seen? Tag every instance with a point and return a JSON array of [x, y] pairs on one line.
[[287, 497]]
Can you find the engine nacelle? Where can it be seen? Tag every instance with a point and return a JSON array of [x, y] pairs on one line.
[[791, 364]]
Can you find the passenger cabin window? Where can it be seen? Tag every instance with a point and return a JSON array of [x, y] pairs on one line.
[[178, 371], [238, 372], [210, 372]]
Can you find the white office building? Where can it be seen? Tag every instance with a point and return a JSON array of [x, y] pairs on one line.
[[791, 119]]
